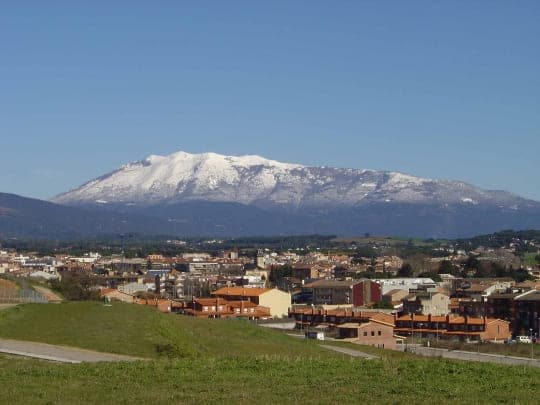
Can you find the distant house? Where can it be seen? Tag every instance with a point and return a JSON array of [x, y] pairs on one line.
[[344, 292], [373, 333], [132, 288], [426, 303], [309, 316], [407, 283], [222, 308], [394, 296], [455, 327], [277, 301], [114, 295], [304, 271], [521, 308]]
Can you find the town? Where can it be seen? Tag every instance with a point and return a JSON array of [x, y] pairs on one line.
[[370, 291]]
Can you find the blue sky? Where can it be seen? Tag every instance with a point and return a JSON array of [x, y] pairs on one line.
[[446, 90]]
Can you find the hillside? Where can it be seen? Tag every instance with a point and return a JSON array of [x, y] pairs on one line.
[[144, 332], [213, 361], [37, 219]]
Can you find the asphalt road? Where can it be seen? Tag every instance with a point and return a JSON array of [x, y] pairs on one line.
[[472, 356], [61, 354], [350, 352]]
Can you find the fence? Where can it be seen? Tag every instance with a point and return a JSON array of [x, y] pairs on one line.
[[22, 296]]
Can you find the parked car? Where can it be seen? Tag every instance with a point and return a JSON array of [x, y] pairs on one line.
[[523, 339]]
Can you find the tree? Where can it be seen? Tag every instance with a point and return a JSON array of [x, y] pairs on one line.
[[471, 263], [383, 305], [446, 267], [431, 275], [405, 270], [75, 287], [279, 272], [520, 275]]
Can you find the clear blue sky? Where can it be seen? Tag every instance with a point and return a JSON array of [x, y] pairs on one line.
[[440, 89]]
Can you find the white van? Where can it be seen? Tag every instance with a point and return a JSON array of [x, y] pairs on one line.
[[523, 339]]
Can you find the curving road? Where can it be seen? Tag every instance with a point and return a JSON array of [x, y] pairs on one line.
[[61, 354], [350, 352]]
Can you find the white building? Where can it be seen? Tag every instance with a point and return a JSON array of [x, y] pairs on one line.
[[409, 283]]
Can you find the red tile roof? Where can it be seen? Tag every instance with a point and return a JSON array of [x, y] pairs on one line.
[[241, 291]]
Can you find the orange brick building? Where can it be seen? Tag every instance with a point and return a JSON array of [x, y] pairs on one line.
[[461, 327]]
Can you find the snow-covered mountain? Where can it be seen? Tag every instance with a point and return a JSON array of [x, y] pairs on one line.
[[253, 180], [213, 195]]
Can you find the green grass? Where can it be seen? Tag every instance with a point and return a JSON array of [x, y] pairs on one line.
[[144, 332], [218, 361], [268, 379]]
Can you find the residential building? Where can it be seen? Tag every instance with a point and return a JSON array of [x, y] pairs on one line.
[[520, 309], [222, 308], [407, 283], [395, 296], [453, 327], [309, 316], [345, 292], [373, 333], [277, 301], [426, 303]]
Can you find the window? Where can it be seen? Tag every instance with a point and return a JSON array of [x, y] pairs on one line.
[[379, 333], [365, 333], [372, 333]]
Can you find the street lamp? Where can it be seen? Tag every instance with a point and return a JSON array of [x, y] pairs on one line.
[[532, 345], [412, 327], [420, 325]]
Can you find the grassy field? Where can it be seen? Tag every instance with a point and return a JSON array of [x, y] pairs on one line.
[[213, 361], [144, 332], [268, 379]]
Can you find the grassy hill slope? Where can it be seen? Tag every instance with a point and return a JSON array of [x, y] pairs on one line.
[[144, 332], [212, 361]]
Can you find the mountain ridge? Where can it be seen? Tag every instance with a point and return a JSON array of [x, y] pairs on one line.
[[214, 195], [254, 180]]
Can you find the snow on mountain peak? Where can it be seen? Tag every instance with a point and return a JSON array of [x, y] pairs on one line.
[[252, 179]]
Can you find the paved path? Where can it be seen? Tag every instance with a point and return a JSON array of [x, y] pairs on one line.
[[472, 356], [350, 352], [61, 354]]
